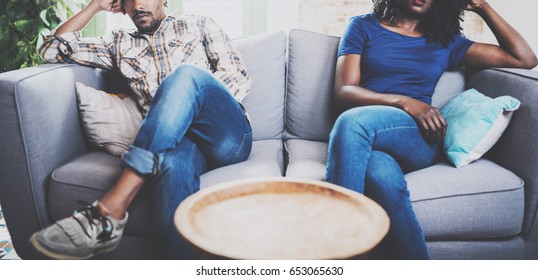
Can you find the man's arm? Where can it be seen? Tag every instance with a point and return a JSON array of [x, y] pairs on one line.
[[65, 45], [226, 60]]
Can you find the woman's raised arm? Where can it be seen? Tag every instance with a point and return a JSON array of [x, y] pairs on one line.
[[513, 51]]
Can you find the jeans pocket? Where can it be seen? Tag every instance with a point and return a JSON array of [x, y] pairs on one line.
[[244, 149]]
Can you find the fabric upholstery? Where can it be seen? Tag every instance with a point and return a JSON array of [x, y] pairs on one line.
[[481, 200], [449, 86], [31, 150], [265, 58], [77, 182], [488, 249], [475, 123], [310, 89], [306, 159], [109, 122], [265, 160], [310, 85], [40, 131], [517, 150]]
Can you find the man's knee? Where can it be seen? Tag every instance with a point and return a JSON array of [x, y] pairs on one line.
[[188, 71], [186, 81]]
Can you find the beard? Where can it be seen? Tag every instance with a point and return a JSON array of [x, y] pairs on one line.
[[150, 28], [145, 27]]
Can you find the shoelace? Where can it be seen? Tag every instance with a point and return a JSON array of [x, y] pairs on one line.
[[92, 214]]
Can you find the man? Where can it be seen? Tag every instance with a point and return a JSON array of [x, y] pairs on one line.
[[189, 80]]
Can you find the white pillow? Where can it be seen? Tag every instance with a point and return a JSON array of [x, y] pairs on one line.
[[109, 121]]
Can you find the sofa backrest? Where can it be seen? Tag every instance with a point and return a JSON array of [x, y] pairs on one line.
[[449, 86], [310, 113], [265, 58], [311, 66]]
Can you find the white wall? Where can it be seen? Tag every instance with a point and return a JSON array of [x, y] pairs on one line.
[[520, 14], [282, 15]]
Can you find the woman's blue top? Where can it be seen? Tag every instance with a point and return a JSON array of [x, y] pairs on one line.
[[399, 64]]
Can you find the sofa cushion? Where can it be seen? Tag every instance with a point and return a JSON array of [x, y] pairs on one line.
[[311, 66], [306, 159], [110, 121], [89, 176], [266, 159], [481, 200], [265, 58], [449, 86]]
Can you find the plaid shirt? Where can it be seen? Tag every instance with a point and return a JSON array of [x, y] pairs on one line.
[[145, 60]]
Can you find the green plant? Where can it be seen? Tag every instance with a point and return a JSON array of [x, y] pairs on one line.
[[23, 26]]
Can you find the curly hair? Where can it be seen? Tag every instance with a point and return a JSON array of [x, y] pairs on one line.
[[440, 24]]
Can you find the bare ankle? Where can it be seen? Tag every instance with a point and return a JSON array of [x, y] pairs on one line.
[[104, 210]]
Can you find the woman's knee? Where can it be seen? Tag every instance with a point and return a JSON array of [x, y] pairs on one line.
[[349, 123], [384, 176], [361, 119]]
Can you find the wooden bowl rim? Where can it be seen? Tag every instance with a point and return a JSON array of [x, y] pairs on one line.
[[186, 229]]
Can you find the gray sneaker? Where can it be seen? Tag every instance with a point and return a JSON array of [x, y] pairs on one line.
[[81, 236]]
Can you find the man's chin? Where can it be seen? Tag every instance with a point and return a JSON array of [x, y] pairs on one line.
[[147, 28]]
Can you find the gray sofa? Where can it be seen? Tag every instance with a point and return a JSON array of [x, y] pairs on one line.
[[486, 210]]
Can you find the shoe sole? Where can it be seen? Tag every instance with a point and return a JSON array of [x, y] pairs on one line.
[[50, 254]]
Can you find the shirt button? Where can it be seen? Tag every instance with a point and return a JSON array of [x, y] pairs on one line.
[[159, 49]]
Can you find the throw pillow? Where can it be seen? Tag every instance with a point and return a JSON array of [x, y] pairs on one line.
[[475, 123], [109, 121]]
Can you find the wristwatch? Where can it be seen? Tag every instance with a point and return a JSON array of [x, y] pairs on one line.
[[65, 47]]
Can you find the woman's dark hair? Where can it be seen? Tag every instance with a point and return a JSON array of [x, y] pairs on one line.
[[440, 24]]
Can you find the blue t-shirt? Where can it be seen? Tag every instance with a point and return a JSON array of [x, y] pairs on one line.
[[399, 64]]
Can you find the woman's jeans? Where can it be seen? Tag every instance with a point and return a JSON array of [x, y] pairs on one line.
[[370, 150], [193, 125]]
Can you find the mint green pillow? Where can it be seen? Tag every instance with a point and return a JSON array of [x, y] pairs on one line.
[[475, 123]]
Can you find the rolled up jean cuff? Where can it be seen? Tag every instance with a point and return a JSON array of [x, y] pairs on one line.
[[141, 161]]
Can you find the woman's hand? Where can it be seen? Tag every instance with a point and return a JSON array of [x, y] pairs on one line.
[[428, 118], [475, 5], [113, 6]]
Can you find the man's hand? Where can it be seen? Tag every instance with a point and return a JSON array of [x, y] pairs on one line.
[[113, 6], [432, 124], [81, 19]]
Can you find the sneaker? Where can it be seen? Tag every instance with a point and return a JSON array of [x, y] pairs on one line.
[[81, 236]]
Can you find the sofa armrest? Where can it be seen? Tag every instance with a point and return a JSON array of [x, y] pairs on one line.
[[517, 150], [39, 131]]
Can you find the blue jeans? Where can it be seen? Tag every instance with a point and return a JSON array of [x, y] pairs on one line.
[[193, 125], [370, 150]]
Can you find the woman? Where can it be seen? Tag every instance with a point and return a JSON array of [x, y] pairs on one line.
[[388, 66]]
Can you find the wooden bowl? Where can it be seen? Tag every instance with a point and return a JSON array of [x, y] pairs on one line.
[[281, 218]]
